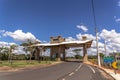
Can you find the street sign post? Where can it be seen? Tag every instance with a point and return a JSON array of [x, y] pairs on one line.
[[114, 65]]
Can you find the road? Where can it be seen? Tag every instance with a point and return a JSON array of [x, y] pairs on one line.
[[63, 71]]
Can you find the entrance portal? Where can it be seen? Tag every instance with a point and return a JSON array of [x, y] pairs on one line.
[[58, 45]]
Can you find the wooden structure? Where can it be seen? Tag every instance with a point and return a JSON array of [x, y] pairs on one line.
[[58, 45]]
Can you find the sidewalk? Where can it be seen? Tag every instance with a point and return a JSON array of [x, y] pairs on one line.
[[109, 71]]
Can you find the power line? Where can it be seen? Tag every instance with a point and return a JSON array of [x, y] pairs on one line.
[[93, 10]]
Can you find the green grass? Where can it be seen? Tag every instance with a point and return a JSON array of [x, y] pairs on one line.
[[119, 65], [23, 63]]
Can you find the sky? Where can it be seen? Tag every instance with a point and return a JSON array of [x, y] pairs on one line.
[[21, 20]]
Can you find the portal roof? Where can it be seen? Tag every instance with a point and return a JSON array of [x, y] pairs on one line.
[[67, 44]]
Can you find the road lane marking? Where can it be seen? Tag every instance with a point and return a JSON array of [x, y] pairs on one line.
[[71, 73], [92, 69], [63, 79], [80, 66], [76, 70]]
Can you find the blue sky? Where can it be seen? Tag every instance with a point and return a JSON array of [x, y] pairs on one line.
[[44, 18]]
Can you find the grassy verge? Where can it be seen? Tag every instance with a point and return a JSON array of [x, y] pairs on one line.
[[24, 63]]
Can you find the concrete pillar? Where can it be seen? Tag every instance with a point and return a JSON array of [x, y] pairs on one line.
[[59, 51], [51, 53], [85, 56], [37, 53], [64, 56]]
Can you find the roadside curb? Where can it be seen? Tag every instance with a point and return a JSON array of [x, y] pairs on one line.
[[102, 70], [105, 72]]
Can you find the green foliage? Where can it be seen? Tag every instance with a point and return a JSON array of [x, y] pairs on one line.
[[24, 63], [78, 57], [4, 53], [118, 64], [92, 57], [21, 57], [102, 55], [77, 51], [4, 56]]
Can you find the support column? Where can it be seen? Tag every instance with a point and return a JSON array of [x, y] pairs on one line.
[[37, 53], [58, 58], [64, 55], [85, 56], [51, 53]]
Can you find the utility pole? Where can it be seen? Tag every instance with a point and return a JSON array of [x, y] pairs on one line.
[[97, 47], [105, 48], [96, 33]]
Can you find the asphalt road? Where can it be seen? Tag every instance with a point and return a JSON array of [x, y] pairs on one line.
[[63, 71]]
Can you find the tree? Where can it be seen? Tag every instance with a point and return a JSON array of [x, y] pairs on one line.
[[102, 55], [4, 53], [27, 47], [78, 57], [77, 51], [11, 49]]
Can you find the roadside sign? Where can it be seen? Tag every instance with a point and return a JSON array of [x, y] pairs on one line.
[[114, 65], [108, 59]]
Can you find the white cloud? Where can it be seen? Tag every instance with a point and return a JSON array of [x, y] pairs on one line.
[[117, 20], [19, 35], [19, 50], [6, 44], [70, 39], [89, 36], [110, 36], [2, 31], [118, 3], [112, 39], [82, 27]]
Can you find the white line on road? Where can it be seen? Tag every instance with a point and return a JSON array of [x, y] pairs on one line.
[[76, 69], [71, 73], [92, 69], [63, 79], [79, 66]]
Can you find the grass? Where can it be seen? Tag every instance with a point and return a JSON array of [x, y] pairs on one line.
[[119, 65], [24, 63]]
